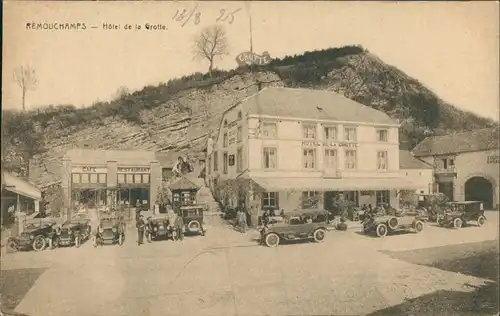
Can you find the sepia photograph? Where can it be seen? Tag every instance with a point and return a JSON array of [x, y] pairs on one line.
[[250, 158]]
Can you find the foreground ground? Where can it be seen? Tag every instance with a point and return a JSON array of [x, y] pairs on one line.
[[440, 271]]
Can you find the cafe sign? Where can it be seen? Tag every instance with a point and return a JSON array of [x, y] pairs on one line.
[[493, 159], [251, 58], [88, 169], [329, 144], [133, 170]]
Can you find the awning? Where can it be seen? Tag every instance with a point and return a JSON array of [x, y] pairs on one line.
[[21, 187], [349, 184]]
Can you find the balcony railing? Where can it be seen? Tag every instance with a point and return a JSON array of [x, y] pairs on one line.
[[332, 173], [441, 170]]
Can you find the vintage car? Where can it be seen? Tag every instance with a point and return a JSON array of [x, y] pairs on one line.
[[73, 232], [432, 204], [460, 214], [34, 237], [157, 227], [111, 231], [192, 216], [382, 223], [297, 225]]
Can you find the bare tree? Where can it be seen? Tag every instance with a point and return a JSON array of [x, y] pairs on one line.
[[211, 43], [26, 79]]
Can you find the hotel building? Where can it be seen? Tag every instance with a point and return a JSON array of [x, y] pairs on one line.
[[296, 143]]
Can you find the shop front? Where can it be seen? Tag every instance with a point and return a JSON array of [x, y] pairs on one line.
[[134, 187]]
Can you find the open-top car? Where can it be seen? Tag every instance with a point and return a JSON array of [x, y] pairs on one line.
[[382, 223], [460, 214], [192, 217], [297, 225], [111, 231], [158, 227], [73, 232], [36, 236]]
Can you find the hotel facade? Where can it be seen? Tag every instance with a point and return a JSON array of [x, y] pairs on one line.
[[295, 144]]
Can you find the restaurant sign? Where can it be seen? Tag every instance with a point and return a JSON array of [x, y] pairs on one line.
[[88, 169], [493, 159], [329, 144], [133, 170]]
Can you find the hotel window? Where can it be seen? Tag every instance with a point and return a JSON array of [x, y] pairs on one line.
[[84, 178], [93, 178], [350, 134], [269, 130], [145, 178], [225, 163], [330, 161], [239, 160], [216, 161], [382, 160], [238, 134], [270, 200], [137, 178], [270, 157], [225, 141], [309, 158], [448, 163], [75, 177], [121, 178], [352, 196], [350, 159], [382, 197], [382, 135], [102, 178], [310, 199], [129, 178], [309, 131], [330, 133]]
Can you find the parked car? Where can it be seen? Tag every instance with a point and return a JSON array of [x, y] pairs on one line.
[[462, 213], [381, 224], [34, 237], [158, 227], [192, 216], [297, 225], [432, 204], [111, 231], [73, 232]]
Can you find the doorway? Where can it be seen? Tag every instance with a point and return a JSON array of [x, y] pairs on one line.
[[479, 189], [447, 189]]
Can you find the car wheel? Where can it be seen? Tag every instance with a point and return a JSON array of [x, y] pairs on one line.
[[418, 226], [39, 243], [381, 230], [393, 223], [457, 223], [193, 226], [272, 240], [319, 235], [120, 240], [480, 220], [77, 241]]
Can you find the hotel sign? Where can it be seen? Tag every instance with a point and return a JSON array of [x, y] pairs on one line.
[[329, 144], [251, 58], [88, 169], [493, 159], [133, 170]]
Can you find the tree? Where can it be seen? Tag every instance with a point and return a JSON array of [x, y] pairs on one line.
[[211, 43], [121, 92], [26, 79]]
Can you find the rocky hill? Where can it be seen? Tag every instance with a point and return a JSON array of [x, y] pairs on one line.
[[178, 115]]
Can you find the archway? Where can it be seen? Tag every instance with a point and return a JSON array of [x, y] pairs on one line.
[[479, 189]]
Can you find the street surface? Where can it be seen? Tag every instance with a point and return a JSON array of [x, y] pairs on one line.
[[226, 273]]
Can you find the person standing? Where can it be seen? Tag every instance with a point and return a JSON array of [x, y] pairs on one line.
[[179, 226], [242, 220], [140, 229]]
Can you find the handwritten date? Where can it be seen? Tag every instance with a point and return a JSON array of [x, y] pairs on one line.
[[184, 16]]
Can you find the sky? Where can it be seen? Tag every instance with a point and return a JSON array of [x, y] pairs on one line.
[[451, 47]]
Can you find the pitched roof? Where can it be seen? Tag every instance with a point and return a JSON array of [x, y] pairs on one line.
[[183, 184], [20, 186], [475, 140], [407, 161], [311, 104], [99, 156]]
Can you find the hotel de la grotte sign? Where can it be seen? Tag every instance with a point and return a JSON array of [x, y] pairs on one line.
[[133, 170], [329, 144], [251, 58]]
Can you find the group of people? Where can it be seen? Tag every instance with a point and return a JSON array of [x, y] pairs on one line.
[[145, 227]]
